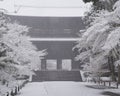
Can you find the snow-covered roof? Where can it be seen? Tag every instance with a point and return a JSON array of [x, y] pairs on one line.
[[51, 8]]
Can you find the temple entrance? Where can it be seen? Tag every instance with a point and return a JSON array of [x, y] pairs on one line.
[[66, 64], [51, 64]]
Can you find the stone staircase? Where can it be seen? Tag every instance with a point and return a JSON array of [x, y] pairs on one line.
[[57, 76]]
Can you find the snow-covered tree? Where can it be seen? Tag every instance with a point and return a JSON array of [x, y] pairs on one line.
[[102, 4], [18, 56], [98, 43]]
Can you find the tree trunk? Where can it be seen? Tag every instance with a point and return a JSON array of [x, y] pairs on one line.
[[112, 67], [118, 74]]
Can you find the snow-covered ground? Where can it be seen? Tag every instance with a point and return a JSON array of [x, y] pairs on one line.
[[64, 89]]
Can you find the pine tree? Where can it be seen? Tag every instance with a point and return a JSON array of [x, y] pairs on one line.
[[99, 41]]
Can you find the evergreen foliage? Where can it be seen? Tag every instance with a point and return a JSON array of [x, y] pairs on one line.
[[99, 45]]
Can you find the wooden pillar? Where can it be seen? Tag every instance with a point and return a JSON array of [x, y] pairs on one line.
[[74, 64], [59, 64], [43, 64]]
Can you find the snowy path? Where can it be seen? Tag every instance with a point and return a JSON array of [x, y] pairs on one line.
[[59, 89]]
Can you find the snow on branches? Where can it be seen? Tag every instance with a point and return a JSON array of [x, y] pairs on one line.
[[18, 56], [100, 38]]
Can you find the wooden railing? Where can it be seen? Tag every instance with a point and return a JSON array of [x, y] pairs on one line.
[[106, 81]]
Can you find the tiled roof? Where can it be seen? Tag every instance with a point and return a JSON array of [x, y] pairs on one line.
[[52, 26]]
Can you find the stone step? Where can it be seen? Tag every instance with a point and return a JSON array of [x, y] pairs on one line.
[[57, 76]]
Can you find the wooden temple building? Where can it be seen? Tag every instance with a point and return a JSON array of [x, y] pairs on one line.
[[58, 35]]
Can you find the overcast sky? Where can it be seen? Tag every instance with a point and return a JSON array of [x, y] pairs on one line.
[[45, 7]]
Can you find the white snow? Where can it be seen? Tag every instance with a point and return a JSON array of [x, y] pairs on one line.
[[61, 88], [45, 7]]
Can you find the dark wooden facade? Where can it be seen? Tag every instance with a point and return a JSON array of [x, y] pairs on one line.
[[54, 27]]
